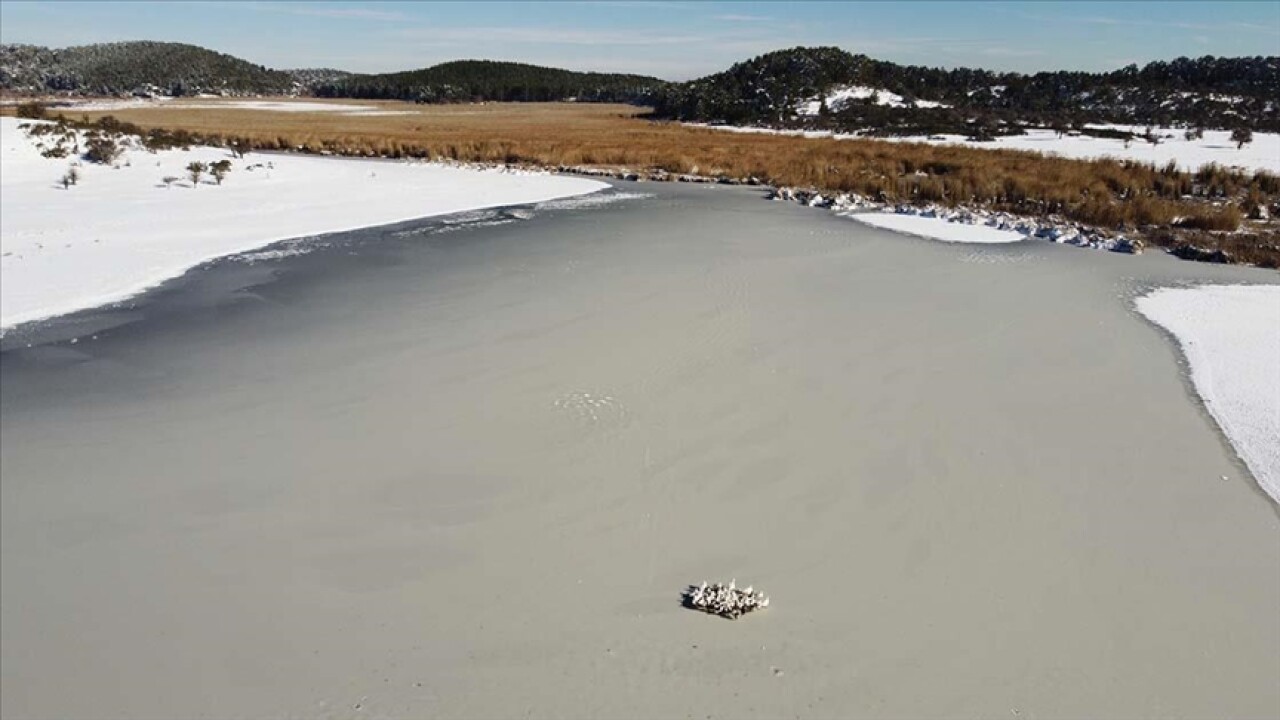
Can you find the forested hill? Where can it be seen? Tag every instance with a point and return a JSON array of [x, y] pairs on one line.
[[466, 80], [829, 87], [135, 67], [823, 88], [163, 68]]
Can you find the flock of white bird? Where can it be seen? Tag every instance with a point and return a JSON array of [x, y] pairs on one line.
[[725, 600]]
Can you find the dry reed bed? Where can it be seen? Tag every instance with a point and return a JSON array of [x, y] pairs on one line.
[[1104, 193]]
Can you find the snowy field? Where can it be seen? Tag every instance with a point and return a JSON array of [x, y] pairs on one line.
[[937, 228], [128, 104], [1216, 146], [122, 230], [1230, 335], [288, 106]]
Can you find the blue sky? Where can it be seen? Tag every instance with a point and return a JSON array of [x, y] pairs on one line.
[[674, 40]]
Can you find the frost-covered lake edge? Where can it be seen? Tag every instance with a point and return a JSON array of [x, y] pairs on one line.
[[1229, 338], [958, 224], [102, 233]]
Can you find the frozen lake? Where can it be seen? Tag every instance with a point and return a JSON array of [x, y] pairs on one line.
[[465, 469]]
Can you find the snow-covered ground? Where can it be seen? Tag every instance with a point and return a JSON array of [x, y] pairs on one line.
[[841, 96], [121, 230], [275, 106], [290, 106], [1216, 146], [938, 228], [1230, 335], [126, 104]]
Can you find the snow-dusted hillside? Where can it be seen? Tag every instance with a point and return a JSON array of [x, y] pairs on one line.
[[123, 229], [136, 66], [783, 88]]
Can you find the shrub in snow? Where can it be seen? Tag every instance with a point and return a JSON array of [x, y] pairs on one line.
[[169, 180], [194, 171], [219, 170], [31, 110], [1241, 136], [159, 139], [102, 149], [71, 177], [724, 600], [981, 134]]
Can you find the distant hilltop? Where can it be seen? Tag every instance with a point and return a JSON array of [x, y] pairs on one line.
[[466, 80], [145, 68], [800, 88], [832, 89], [141, 68]]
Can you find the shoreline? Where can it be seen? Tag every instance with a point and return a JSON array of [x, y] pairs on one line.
[[279, 248], [1193, 226], [1049, 227], [86, 323], [117, 233]]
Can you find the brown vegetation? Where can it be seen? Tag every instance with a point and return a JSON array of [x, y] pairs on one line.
[[1105, 193], [1251, 246]]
